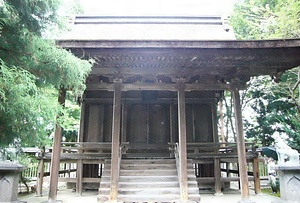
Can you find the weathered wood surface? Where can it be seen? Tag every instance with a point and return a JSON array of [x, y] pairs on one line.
[[241, 145], [182, 150], [116, 125], [55, 159]]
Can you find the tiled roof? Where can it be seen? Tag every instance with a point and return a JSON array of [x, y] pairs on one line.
[[149, 28]]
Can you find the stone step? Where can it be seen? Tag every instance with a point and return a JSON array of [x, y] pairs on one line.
[[149, 190], [148, 161], [191, 184], [128, 166], [157, 172], [149, 198]]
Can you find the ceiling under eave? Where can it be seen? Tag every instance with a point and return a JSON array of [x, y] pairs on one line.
[[197, 61]]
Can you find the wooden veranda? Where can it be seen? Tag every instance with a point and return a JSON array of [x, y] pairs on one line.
[[157, 99]]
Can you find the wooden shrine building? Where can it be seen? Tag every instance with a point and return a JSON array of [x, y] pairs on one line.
[[148, 126]]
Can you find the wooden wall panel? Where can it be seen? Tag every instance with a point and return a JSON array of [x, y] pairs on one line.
[[159, 124], [107, 122], [203, 123], [137, 124], [189, 123], [199, 123]]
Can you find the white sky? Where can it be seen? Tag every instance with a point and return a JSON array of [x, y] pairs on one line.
[[157, 7]]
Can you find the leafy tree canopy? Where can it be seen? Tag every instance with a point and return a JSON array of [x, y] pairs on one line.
[[276, 104], [31, 68]]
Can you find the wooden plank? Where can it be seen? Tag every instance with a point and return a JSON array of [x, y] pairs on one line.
[[257, 188], [101, 123], [240, 144], [182, 142], [93, 123], [115, 142]]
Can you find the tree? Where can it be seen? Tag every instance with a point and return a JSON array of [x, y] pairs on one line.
[[32, 69], [274, 102]]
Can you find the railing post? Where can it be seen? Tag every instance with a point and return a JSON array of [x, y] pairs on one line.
[[115, 142], [182, 142], [40, 174]]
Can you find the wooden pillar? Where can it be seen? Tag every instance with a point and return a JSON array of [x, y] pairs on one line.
[[79, 171], [182, 142], [257, 188], [217, 171], [40, 178], [241, 148], [214, 121], [115, 142], [55, 159], [124, 123]]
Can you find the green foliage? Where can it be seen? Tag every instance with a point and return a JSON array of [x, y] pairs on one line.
[[26, 110], [274, 110], [32, 70], [267, 19], [276, 106]]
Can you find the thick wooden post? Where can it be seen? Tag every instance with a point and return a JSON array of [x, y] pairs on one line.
[[241, 145], [217, 171], [257, 188], [55, 159], [182, 142], [79, 166], [115, 142], [40, 178]]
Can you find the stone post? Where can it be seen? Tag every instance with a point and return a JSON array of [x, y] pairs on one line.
[[9, 180]]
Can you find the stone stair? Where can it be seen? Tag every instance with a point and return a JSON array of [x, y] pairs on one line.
[[148, 180]]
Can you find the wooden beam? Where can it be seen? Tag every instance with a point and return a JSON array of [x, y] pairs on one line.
[[241, 145], [157, 101], [159, 86], [169, 44], [55, 159], [182, 141], [115, 141]]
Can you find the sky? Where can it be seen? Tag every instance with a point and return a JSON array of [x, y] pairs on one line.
[[157, 7]]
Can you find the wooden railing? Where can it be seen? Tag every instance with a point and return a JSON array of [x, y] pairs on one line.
[[218, 150], [81, 150]]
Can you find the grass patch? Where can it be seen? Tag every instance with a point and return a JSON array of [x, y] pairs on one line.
[[268, 191]]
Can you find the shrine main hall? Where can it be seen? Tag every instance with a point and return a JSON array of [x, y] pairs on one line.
[[149, 120]]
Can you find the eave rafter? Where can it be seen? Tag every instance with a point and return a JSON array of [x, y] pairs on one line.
[[203, 64]]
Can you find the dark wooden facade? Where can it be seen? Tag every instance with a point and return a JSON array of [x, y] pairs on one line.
[[150, 117], [159, 96]]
